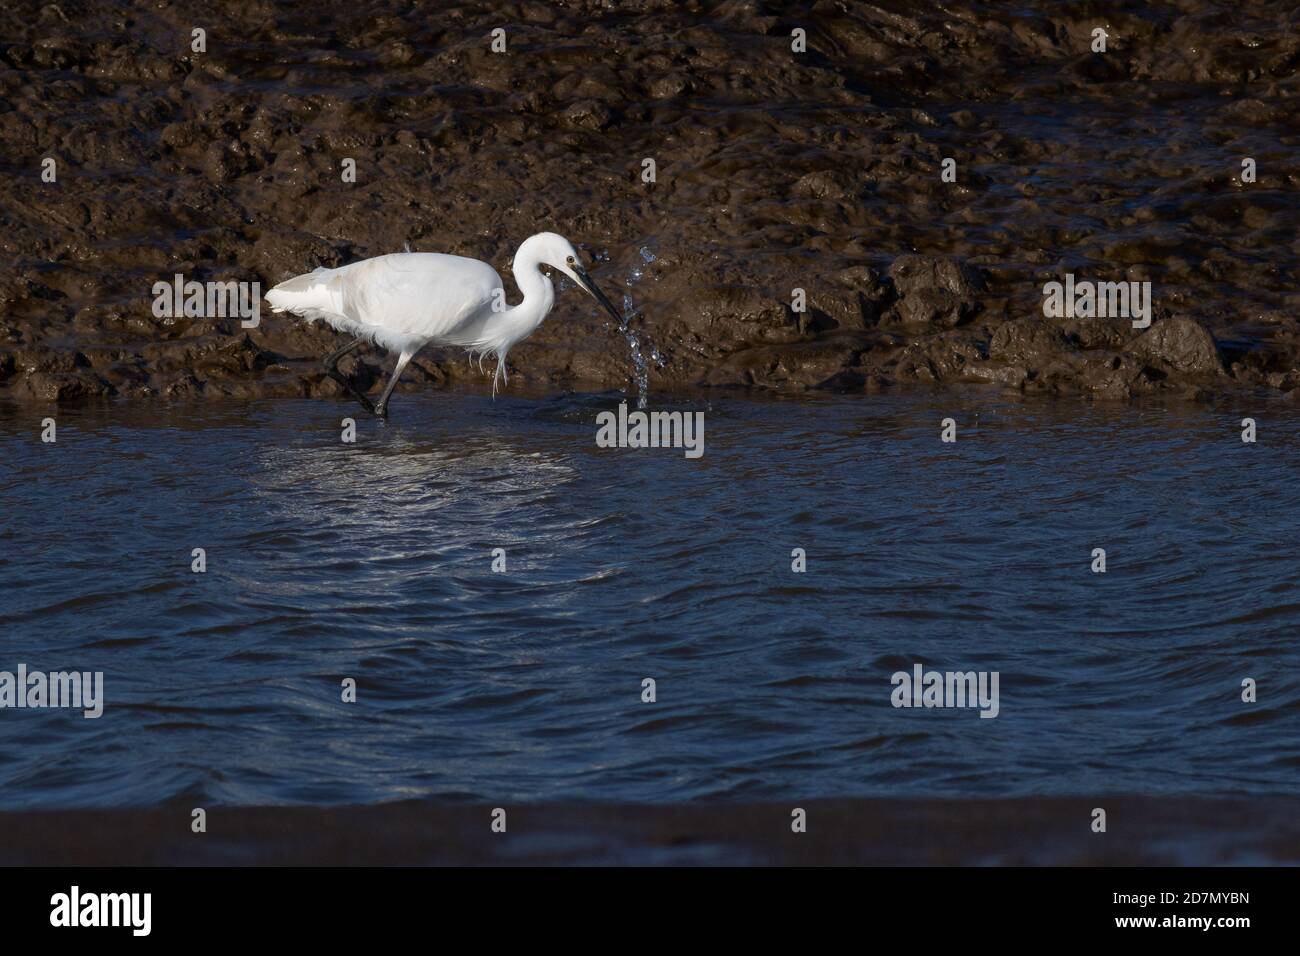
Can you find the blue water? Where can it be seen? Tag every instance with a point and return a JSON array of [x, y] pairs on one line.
[[373, 561]]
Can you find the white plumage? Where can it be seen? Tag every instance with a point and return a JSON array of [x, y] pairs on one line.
[[395, 300], [406, 301]]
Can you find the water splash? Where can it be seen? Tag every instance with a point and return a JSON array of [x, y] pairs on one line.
[[639, 363], [642, 370], [638, 272]]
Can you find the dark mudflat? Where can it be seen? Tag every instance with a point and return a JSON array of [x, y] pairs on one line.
[[775, 170], [1026, 831]]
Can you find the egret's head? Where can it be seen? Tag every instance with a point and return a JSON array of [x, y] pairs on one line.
[[558, 252]]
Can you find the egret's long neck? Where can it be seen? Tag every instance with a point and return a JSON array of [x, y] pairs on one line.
[[538, 293]]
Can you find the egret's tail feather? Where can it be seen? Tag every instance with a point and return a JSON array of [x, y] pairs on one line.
[[316, 291], [318, 295]]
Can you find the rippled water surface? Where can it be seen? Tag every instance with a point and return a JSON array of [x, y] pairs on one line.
[[328, 560]]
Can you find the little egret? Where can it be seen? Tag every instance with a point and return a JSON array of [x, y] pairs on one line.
[[408, 300]]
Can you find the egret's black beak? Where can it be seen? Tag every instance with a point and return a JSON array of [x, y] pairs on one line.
[[590, 286]]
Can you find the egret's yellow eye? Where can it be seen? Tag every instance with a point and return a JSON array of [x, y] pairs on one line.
[[571, 261]]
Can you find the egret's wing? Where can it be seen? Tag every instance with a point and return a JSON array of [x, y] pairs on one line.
[[423, 294]]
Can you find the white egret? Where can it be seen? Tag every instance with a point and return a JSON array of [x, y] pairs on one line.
[[408, 300]]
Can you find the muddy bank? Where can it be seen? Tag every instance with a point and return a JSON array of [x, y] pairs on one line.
[[1175, 831], [775, 170]]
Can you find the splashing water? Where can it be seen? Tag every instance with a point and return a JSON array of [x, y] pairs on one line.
[[638, 272], [633, 342], [634, 346]]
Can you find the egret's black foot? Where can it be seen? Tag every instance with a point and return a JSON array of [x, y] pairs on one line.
[[331, 363], [346, 382], [381, 410]]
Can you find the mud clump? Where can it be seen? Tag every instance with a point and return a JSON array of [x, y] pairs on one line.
[[777, 173], [933, 291], [1178, 346]]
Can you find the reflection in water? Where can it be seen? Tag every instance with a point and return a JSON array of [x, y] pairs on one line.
[[373, 561]]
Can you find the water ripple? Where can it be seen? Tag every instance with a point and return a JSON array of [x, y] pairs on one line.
[[374, 562]]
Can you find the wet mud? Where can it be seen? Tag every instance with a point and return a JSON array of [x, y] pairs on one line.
[[775, 170], [1042, 831]]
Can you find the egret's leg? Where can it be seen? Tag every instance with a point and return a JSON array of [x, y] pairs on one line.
[[331, 363], [381, 406]]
